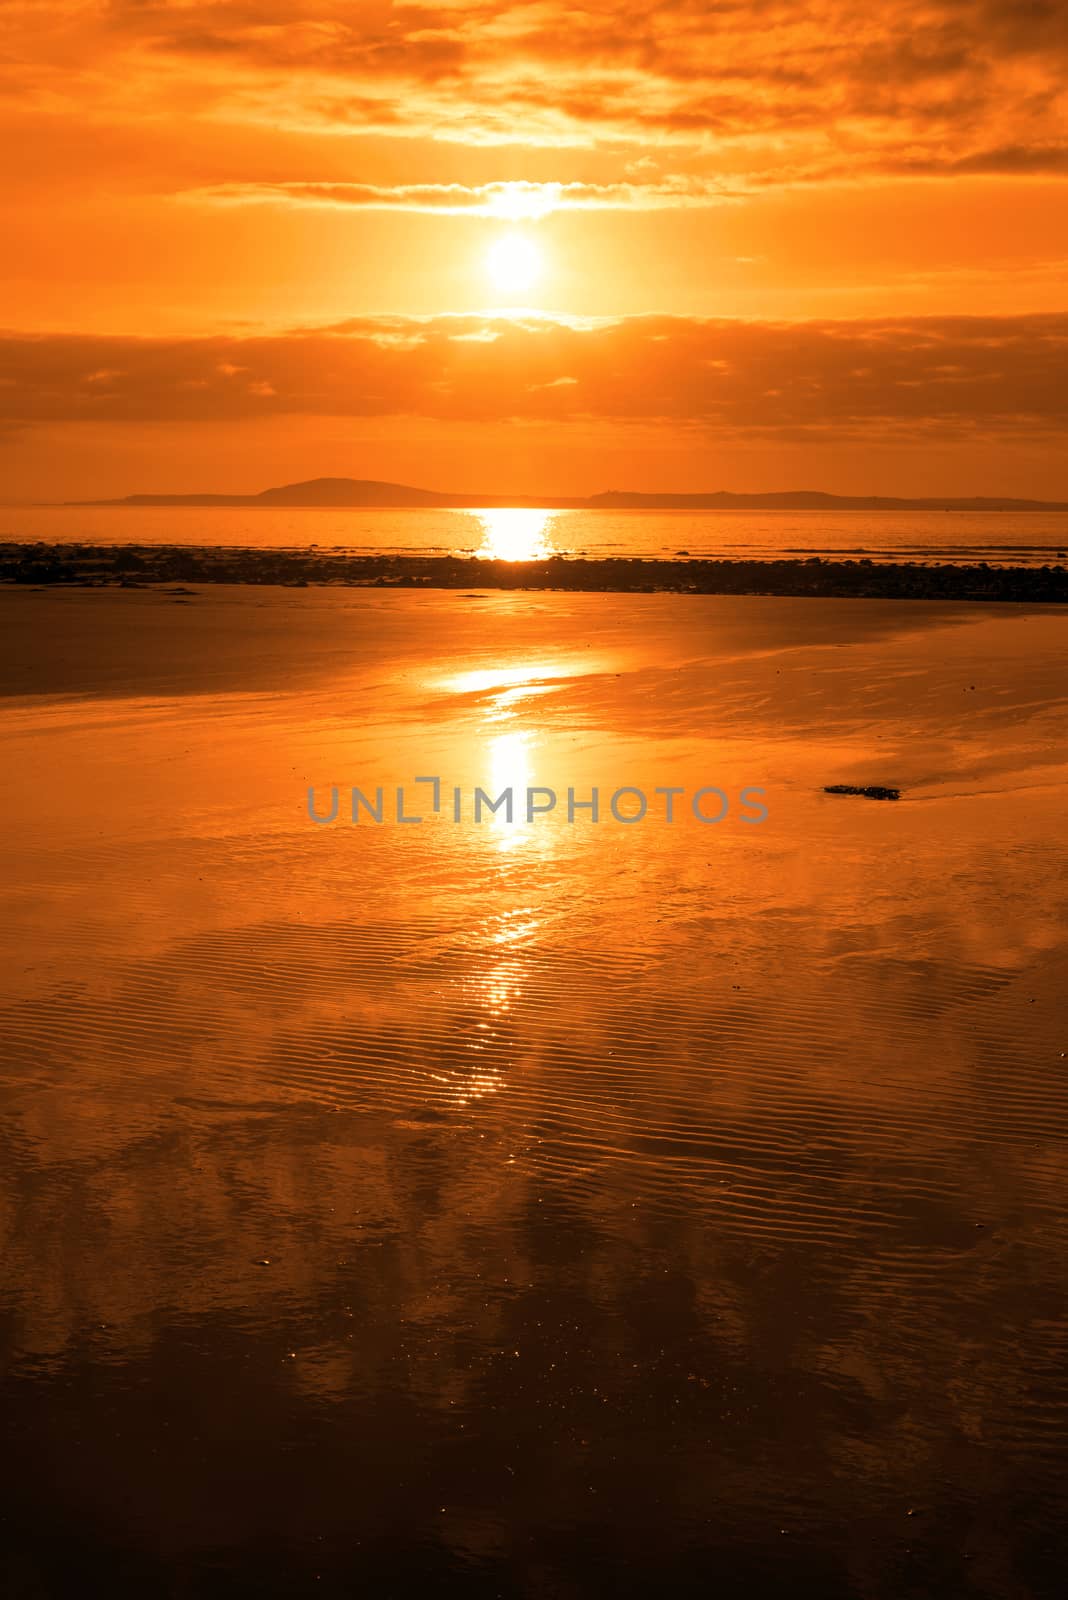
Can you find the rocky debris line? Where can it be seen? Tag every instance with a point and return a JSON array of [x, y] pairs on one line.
[[871, 791], [133, 566]]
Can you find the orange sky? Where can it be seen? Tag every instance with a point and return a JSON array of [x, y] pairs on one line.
[[796, 244]]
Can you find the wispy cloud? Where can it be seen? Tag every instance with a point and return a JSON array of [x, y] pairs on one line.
[[763, 89], [507, 199]]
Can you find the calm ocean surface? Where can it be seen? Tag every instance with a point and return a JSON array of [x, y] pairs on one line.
[[1011, 538]]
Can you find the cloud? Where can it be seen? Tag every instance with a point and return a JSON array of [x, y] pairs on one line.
[[761, 91], [514, 199], [919, 378], [1049, 160]]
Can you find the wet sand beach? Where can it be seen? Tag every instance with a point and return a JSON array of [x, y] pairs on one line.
[[534, 1208]]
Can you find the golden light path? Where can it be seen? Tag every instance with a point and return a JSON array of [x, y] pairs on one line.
[[515, 533]]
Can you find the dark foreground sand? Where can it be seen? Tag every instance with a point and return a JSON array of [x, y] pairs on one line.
[[545, 1209]]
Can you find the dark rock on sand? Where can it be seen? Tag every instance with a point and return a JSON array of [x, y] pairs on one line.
[[871, 791], [99, 565]]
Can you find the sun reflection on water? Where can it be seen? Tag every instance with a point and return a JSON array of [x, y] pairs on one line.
[[510, 768], [515, 533], [509, 761]]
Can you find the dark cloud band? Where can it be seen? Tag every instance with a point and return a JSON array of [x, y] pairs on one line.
[[955, 375]]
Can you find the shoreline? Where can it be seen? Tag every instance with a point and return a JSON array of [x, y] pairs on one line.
[[131, 566]]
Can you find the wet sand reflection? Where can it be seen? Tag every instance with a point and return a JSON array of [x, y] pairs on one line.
[[476, 1207]]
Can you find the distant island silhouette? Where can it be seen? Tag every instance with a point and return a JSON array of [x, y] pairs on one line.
[[369, 493]]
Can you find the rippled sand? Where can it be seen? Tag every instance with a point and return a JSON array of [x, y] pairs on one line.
[[534, 1209]]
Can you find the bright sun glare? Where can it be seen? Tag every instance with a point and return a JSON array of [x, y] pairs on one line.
[[514, 263], [515, 533]]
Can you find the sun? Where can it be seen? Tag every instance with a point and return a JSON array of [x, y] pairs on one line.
[[514, 263]]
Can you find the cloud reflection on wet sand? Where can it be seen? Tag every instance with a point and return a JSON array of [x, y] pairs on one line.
[[639, 1191]]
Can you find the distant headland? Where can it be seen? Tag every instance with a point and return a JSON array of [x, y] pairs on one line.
[[370, 494]]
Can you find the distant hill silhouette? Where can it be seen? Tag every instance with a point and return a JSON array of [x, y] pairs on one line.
[[312, 492], [370, 493]]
